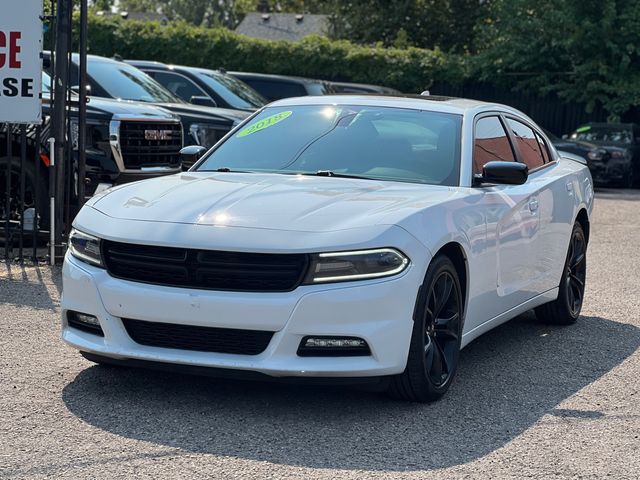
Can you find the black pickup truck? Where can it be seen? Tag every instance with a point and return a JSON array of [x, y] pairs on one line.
[[118, 80], [126, 141]]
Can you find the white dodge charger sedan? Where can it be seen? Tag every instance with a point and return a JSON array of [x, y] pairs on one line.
[[351, 237]]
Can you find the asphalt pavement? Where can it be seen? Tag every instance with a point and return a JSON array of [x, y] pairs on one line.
[[530, 400]]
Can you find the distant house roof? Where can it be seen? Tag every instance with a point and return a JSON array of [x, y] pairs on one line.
[[283, 26]]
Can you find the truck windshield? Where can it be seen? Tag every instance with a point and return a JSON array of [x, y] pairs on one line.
[[381, 143], [125, 82], [604, 134]]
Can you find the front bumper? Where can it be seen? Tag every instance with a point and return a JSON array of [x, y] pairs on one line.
[[610, 172], [378, 311]]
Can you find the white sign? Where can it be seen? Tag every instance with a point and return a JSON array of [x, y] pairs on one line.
[[20, 62]]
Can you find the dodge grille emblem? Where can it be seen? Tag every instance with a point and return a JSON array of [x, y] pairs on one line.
[[157, 134]]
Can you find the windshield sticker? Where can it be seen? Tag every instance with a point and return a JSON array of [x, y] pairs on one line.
[[264, 123], [583, 129]]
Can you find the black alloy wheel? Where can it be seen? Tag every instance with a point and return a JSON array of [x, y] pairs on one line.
[[435, 343], [566, 308], [576, 272], [442, 327]]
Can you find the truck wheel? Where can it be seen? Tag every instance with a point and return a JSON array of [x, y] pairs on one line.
[[32, 191]]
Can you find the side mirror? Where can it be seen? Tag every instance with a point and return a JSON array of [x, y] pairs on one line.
[[190, 155], [505, 173], [203, 101]]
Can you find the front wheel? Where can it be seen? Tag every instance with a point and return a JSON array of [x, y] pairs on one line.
[[435, 341], [566, 308]]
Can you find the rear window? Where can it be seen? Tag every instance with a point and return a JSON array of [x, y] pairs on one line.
[[373, 142]]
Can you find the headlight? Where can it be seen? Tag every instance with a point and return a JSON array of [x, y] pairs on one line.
[[85, 247], [206, 135], [355, 265]]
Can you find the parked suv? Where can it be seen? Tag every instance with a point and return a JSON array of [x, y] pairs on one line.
[[621, 141], [126, 141], [201, 86], [275, 87], [113, 79]]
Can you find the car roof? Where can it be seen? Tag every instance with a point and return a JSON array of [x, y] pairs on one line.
[[270, 76], [146, 63], [417, 102]]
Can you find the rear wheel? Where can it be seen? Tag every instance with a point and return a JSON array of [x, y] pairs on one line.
[[566, 308], [435, 342]]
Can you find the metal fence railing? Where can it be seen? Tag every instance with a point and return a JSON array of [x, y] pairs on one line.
[[41, 180]]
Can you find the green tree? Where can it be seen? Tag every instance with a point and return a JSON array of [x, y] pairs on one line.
[[583, 50]]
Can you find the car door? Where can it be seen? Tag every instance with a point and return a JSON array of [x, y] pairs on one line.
[[552, 198], [512, 219]]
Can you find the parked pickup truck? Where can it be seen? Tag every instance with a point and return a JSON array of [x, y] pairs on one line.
[[126, 141]]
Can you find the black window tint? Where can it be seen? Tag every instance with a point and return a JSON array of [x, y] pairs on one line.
[[274, 90], [491, 143], [528, 145], [544, 149], [178, 85]]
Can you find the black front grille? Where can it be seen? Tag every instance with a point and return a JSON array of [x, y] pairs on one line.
[[205, 269], [150, 144], [201, 339]]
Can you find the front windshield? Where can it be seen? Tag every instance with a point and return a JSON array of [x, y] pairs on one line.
[[126, 82], [604, 134], [381, 143], [235, 92]]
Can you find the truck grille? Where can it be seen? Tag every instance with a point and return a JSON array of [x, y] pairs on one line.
[[205, 269], [196, 338], [152, 144]]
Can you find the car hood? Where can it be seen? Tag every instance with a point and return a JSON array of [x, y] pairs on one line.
[[269, 201]]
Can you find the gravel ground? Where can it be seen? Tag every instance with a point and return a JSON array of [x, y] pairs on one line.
[[530, 401]]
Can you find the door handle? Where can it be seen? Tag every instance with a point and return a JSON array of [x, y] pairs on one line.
[[533, 205]]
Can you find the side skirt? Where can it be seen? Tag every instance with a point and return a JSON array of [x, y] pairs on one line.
[[536, 301]]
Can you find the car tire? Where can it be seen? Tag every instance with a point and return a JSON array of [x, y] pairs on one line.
[[565, 310], [435, 341], [31, 188]]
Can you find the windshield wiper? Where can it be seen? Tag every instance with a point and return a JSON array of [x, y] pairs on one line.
[[228, 170], [330, 173]]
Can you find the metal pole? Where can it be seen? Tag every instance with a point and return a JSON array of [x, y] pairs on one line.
[[8, 238], [52, 201], [23, 162], [63, 31], [36, 203], [82, 110]]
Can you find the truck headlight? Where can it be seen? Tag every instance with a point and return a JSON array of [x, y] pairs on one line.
[[85, 247], [206, 135], [355, 265]]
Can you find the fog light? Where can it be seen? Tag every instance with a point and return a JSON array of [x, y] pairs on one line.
[[85, 322], [333, 347]]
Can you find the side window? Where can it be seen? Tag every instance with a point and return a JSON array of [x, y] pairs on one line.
[[178, 85], [527, 144], [544, 149], [491, 143]]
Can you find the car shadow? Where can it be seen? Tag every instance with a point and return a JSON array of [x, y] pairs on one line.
[[508, 379]]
